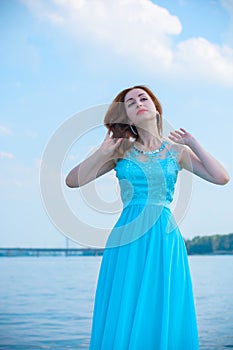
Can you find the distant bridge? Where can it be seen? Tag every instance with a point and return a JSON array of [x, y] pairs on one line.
[[17, 252]]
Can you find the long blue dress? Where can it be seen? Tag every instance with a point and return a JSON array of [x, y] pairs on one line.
[[144, 297]]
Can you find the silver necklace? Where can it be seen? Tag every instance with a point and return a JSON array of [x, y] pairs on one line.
[[155, 151]]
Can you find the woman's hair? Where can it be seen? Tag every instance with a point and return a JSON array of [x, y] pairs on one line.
[[116, 118]]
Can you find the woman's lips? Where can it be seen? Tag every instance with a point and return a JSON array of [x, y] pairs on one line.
[[140, 111]]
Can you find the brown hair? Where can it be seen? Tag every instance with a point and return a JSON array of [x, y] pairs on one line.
[[116, 118]]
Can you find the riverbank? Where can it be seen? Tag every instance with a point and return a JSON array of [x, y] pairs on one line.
[[37, 252]]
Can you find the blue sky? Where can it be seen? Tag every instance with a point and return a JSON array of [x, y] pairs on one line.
[[62, 57]]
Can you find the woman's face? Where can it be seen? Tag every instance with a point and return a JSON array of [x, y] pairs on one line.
[[139, 106]]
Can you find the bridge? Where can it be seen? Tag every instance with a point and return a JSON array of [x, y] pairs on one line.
[[17, 252]]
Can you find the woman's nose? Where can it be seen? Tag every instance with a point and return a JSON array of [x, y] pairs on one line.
[[139, 103]]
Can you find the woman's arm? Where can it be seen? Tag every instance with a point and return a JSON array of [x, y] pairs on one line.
[[196, 159], [99, 163]]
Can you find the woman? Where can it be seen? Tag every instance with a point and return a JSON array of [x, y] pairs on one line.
[[144, 297]]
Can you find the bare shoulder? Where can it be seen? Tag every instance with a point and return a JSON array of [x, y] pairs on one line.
[[175, 148]]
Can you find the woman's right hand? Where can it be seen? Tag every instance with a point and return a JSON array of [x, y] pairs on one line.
[[111, 146]]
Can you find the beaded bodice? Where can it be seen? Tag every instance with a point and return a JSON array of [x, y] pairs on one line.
[[148, 177]]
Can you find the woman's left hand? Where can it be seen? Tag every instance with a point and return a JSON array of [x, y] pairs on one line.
[[181, 136]]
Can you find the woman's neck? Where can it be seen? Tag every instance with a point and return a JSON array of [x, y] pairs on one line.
[[149, 140]]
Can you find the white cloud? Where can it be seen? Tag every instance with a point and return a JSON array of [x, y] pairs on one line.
[[130, 28], [45, 10], [141, 31], [6, 155], [32, 134], [5, 130], [71, 157], [205, 59], [18, 180]]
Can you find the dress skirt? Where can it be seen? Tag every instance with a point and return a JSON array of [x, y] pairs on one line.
[[144, 297]]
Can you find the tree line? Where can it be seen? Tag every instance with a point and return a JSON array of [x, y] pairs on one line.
[[216, 244]]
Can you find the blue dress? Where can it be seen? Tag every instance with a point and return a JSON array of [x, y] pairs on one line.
[[144, 297]]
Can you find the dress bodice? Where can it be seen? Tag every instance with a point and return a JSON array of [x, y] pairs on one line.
[[148, 177]]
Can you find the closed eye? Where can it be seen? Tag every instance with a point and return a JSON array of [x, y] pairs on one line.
[[131, 103]]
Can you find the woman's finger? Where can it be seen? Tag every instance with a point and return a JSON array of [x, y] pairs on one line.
[[107, 135], [118, 141], [183, 130], [179, 133], [173, 133]]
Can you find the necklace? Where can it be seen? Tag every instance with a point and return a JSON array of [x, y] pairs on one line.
[[155, 151]]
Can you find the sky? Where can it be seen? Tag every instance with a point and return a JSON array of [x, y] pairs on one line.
[[68, 59]]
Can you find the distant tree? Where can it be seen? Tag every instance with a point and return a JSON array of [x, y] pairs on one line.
[[210, 244]]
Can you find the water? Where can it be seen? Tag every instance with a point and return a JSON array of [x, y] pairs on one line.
[[47, 302], [213, 281]]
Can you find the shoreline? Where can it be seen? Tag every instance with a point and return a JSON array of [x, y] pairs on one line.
[[67, 252]]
